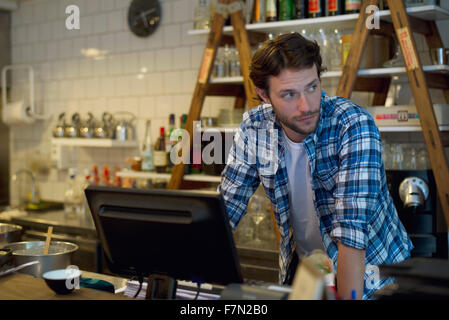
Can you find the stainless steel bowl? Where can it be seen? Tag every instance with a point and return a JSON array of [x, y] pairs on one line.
[[9, 233], [59, 256]]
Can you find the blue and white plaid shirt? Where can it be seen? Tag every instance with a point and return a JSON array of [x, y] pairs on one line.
[[348, 179]]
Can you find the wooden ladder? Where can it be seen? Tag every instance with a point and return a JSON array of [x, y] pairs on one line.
[[203, 86], [402, 27]]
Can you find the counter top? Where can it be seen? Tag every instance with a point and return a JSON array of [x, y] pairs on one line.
[[25, 287], [57, 219]]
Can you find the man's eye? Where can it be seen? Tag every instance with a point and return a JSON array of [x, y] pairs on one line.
[[312, 88], [288, 95]]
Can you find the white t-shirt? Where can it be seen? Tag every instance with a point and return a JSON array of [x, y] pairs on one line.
[[303, 216]]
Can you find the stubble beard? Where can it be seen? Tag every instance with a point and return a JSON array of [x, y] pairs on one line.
[[292, 125]]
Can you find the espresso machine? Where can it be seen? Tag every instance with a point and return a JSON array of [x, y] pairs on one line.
[[414, 195]]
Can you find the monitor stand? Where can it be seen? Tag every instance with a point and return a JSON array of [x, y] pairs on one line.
[[161, 287]]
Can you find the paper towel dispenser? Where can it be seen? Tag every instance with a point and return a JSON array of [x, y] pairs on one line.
[[20, 112]]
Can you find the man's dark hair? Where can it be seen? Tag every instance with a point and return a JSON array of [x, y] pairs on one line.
[[287, 51]]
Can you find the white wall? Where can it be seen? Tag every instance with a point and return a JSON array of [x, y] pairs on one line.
[[67, 81]]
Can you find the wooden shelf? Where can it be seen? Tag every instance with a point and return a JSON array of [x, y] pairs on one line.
[[166, 176], [345, 21], [407, 128], [375, 72], [97, 143]]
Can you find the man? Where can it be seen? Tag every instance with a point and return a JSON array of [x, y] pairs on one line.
[[319, 159]]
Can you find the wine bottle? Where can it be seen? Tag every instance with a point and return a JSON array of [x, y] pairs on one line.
[[316, 8], [168, 142], [286, 10], [271, 11], [259, 11], [160, 156], [147, 149], [334, 7], [301, 9], [187, 166], [353, 6]]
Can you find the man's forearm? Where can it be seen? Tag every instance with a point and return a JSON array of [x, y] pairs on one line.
[[350, 271]]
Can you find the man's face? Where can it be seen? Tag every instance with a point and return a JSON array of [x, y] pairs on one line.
[[296, 97]]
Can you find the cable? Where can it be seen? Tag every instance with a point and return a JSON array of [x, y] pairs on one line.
[[197, 291], [140, 278]]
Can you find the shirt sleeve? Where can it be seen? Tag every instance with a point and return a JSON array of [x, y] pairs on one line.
[[358, 181], [240, 178]]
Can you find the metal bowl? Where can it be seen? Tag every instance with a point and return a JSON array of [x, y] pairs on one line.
[[59, 256], [9, 233]]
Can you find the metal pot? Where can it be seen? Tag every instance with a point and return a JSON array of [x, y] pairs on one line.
[[59, 130], [9, 233], [59, 256], [125, 130]]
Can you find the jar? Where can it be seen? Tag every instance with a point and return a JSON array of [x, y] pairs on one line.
[[136, 165]]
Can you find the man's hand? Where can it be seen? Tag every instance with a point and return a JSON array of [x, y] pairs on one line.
[[350, 271]]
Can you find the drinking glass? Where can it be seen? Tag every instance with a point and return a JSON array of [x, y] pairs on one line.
[[258, 215]]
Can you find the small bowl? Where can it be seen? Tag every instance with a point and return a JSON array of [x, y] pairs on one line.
[[62, 281]]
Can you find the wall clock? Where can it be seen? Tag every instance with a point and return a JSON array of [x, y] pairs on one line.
[[144, 17]]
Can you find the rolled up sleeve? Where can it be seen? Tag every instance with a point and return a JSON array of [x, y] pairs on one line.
[[358, 182]]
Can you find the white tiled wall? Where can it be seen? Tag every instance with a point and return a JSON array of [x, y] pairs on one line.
[[150, 77]]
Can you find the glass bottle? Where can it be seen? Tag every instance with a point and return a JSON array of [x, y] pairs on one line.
[[201, 19], [271, 11], [234, 65], [147, 149], [187, 166], [301, 9], [286, 10], [160, 155], [316, 8], [323, 42], [353, 6], [335, 50], [73, 200], [334, 7], [168, 142], [219, 64], [259, 11]]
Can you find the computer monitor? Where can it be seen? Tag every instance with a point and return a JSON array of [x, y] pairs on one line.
[[181, 234]]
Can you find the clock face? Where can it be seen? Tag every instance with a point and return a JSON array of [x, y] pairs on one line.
[[144, 17]]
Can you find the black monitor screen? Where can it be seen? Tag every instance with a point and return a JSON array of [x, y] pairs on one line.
[[181, 234]]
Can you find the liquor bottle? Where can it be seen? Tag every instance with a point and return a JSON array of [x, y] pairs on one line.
[[183, 120], [160, 155], [147, 150], [168, 142], [301, 9], [271, 11], [353, 6], [286, 10], [334, 7], [316, 8], [259, 11]]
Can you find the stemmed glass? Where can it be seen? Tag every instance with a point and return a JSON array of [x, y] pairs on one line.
[[257, 215]]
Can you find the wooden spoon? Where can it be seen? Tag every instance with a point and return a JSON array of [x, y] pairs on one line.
[[47, 240]]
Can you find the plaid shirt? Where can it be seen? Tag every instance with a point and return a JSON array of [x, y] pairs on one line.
[[348, 179]]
